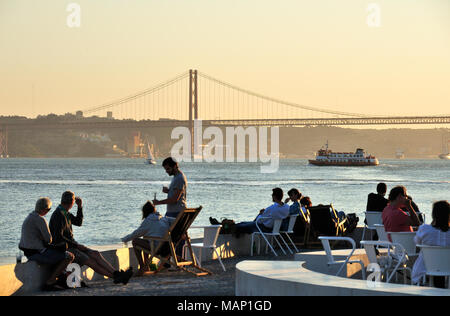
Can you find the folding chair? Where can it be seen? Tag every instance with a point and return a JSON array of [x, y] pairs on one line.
[[322, 224], [343, 263], [177, 232]]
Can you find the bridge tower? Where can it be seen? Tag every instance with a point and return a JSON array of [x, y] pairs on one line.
[[193, 104], [3, 142]]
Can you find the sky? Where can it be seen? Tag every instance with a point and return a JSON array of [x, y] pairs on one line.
[[323, 53]]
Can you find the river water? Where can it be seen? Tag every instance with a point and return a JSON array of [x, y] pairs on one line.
[[114, 190]]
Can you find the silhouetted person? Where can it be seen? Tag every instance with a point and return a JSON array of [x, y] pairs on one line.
[[153, 225], [35, 240], [62, 232], [278, 210], [176, 192], [376, 202]]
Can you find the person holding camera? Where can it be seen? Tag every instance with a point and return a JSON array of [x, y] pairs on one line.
[[61, 228], [35, 242]]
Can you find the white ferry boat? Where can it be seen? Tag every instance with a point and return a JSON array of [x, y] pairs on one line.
[[325, 157]]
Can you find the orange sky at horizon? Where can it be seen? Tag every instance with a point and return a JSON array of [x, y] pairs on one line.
[[319, 53]]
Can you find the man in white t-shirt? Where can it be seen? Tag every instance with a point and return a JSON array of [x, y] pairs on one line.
[[278, 210]]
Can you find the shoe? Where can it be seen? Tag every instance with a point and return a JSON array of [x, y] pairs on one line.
[[214, 221], [117, 276], [126, 276]]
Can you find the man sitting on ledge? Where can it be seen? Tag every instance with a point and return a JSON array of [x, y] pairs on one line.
[[35, 241], [61, 228], [278, 210]]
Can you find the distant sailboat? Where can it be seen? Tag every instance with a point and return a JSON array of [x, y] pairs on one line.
[[150, 159]]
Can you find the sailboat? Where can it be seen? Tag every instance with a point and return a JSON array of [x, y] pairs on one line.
[[150, 159], [445, 154]]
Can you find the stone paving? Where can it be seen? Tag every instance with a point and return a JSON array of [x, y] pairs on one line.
[[171, 283]]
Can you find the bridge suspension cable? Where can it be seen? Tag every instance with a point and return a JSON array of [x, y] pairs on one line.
[[278, 101], [137, 95]]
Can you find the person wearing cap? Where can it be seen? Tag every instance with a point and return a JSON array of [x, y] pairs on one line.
[[35, 240]]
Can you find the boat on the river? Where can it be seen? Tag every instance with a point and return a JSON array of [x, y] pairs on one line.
[[325, 157]]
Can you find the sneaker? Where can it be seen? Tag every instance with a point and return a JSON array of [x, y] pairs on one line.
[[126, 276], [213, 221], [117, 276]]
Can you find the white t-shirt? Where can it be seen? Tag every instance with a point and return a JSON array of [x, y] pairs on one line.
[[275, 211], [431, 236]]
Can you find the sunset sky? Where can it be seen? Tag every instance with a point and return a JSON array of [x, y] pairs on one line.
[[319, 53]]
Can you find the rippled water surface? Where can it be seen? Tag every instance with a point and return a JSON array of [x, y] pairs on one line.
[[114, 190]]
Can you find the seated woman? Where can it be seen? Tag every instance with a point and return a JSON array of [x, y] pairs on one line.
[[294, 208], [153, 225], [436, 234], [306, 202]]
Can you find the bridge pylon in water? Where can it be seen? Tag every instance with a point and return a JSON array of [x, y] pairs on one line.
[[193, 104]]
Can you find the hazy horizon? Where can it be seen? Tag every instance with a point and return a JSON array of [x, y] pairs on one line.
[[320, 54]]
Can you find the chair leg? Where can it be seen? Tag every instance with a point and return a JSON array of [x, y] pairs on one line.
[[220, 260], [279, 245], [296, 250], [287, 246], [268, 244]]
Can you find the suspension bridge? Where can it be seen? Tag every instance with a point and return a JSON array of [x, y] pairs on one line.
[[194, 95]]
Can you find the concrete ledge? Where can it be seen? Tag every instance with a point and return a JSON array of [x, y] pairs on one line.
[[291, 278], [27, 278]]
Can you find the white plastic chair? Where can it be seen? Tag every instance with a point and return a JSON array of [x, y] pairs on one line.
[[273, 235], [382, 236], [437, 261], [372, 218], [343, 263], [290, 230], [210, 235], [395, 260], [406, 239]]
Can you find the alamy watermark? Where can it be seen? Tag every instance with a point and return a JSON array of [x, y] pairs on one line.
[[74, 17], [219, 151], [374, 15]]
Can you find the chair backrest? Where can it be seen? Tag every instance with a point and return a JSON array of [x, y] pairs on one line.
[[292, 219], [406, 239], [276, 226], [436, 259], [373, 218], [182, 223], [321, 220], [210, 235], [326, 246], [382, 235]]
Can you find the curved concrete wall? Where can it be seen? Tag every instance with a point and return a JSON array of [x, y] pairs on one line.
[[291, 278]]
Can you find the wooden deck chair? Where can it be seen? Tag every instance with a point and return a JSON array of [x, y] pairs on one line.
[[178, 231], [322, 222]]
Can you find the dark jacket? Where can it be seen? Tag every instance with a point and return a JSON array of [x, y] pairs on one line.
[[61, 226], [376, 203]]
